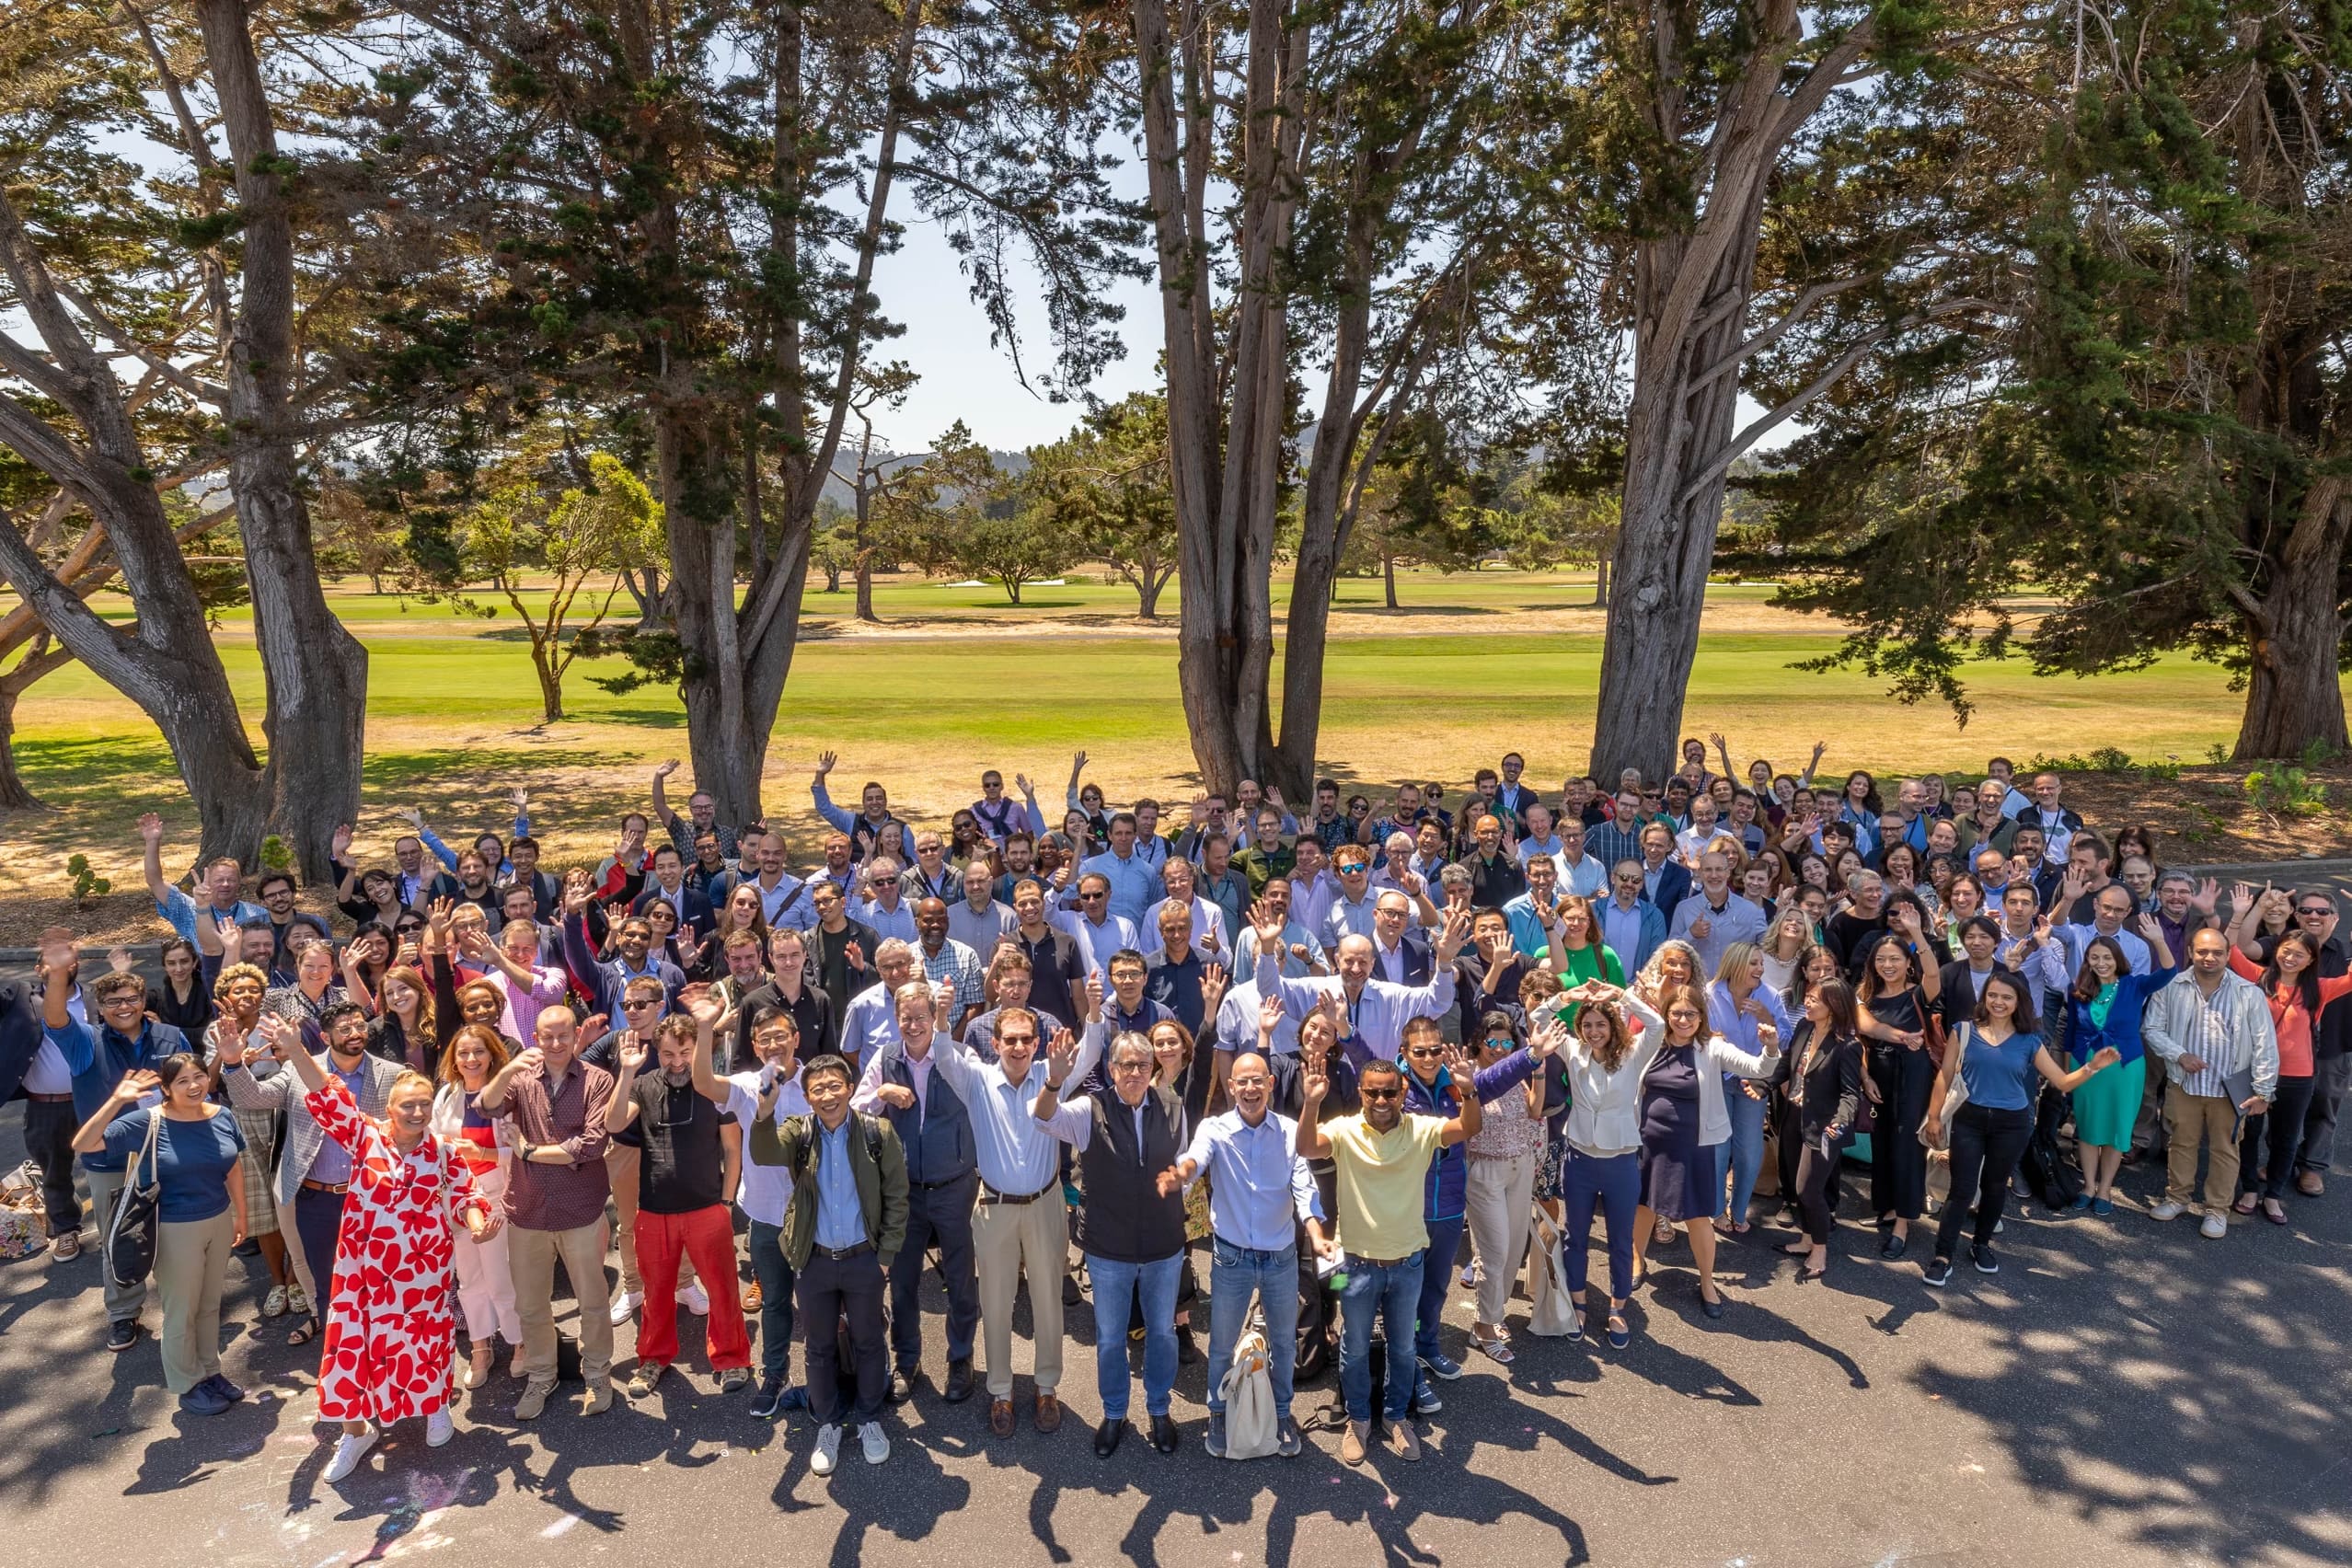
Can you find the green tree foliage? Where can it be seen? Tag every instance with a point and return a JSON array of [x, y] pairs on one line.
[[2158, 434], [1106, 486]]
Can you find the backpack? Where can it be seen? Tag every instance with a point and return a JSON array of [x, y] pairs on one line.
[[869, 1126], [1251, 1429]]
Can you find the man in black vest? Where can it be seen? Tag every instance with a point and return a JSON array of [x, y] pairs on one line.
[[1131, 1228], [942, 1182]]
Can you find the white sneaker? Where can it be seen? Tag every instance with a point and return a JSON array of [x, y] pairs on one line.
[[828, 1450], [2168, 1210], [2215, 1226], [625, 1306], [877, 1447], [696, 1299], [439, 1429], [352, 1448]]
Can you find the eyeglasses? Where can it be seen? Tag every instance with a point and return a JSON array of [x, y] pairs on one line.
[[1092, 897], [1383, 1093], [1131, 1066], [2320, 909], [1423, 1052]]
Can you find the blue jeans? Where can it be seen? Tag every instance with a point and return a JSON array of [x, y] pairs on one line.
[[1234, 1273], [1615, 1186], [1436, 1276], [774, 1272], [1747, 1145], [1391, 1294], [1116, 1287]]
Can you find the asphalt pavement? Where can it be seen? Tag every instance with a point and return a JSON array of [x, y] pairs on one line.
[[2121, 1393]]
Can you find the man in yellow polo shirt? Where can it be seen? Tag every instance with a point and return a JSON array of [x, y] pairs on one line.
[[1383, 1160]]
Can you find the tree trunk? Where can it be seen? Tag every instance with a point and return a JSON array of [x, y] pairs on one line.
[[550, 687], [1388, 577], [2294, 688], [865, 611], [1600, 569], [316, 671], [831, 576], [14, 795], [1150, 580], [1013, 589]]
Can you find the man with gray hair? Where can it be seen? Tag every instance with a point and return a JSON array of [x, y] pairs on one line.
[[1714, 916], [869, 1023], [1373, 1013]]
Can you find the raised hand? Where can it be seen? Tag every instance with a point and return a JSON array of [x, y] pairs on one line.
[[854, 955], [136, 1082], [669, 770], [150, 828], [1061, 1057], [1078, 765], [576, 894], [228, 1042], [1022, 783], [2150, 927], [56, 956], [630, 1050], [1270, 1012], [2242, 897], [411, 815], [520, 798], [2207, 894], [705, 1006], [1458, 925], [338, 842], [118, 959], [1093, 993], [1314, 1083], [825, 763], [284, 1037], [530, 1060], [1213, 980], [1268, 925], [1550, 1038], [592, 1027]]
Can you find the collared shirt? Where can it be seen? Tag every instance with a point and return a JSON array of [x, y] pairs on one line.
[[1389, 962], [957, 962], [1620, 926], [887, 923], [1311, 903], [978, 929], [1245, 951], [840, 1218], [787, 904], [2209, 1041], [1736, 921], [1237, 1020], [764, 1192], [1097, 940], [1377, 1015], [2078, 940], [1015, 1153], [1209, 930], [333, 1164], [682, 833], [1609, 843], [868, 1024], [1257, 1181], [1134, 882], [570, 1113], [1348, 917], [184, 914]]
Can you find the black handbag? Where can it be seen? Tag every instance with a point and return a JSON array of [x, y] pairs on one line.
[[130, 1228]]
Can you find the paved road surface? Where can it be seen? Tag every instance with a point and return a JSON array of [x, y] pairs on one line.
[[2121, 1393]]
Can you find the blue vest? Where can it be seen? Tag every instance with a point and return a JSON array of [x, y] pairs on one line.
[[112, 1057], [935, 1131]]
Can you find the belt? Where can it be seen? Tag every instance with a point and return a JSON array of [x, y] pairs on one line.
[[840, 1255], [1375, 1262], [49, 1099], [935, 1186], [990, 1195], [310, 1186]]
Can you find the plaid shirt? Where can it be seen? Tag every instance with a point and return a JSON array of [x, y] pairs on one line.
[[957, 962], [1609, 843]]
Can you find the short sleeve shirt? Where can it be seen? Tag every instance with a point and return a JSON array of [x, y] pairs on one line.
[[1380, 1177]]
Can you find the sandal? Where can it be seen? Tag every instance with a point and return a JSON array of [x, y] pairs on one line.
[[303, 1332], [1496, 1350], [1796, 1249]]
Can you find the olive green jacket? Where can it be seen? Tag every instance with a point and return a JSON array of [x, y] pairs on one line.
[[876, 1159]]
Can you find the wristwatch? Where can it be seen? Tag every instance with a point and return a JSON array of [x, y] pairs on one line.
[[524, 1147]]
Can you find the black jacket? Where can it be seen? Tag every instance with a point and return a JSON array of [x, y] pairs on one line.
[[1833, 1083]]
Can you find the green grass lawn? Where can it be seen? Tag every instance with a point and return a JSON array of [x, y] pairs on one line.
[[1465, 674]]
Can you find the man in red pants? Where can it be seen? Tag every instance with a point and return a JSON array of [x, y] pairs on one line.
[[684, 1183]]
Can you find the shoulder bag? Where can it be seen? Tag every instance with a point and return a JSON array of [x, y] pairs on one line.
[[131, 1229]]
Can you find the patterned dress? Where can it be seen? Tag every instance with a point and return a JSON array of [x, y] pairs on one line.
[[388, 1324]]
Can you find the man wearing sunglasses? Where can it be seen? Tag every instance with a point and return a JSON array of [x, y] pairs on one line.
[[1098, 932], [1382, 1157]]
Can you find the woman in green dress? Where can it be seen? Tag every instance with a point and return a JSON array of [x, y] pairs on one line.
[[2103, 1008]]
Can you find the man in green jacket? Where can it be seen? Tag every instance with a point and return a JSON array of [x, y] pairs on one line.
[[847, 1221]]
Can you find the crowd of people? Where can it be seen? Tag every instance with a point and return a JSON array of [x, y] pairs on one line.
[[1328, 1063]]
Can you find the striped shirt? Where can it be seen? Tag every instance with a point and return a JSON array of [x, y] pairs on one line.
[[1609, 843], [2209, 1043]]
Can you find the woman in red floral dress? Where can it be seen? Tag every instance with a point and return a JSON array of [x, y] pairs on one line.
[[389, 1329]]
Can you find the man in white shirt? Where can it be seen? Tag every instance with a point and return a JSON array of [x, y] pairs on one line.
[[783, 897], [869, 1023], [1302, 953], [1208, 920], [764, 1192], [885, 910], [1540, 838], [1373, 1013], [1693, 842], [1580, 873], [1351, 913], [1021, 1224], [1714, 916], [1312, 886], [1098, 932]]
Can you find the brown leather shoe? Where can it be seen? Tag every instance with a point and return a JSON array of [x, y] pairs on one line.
[[1000, 1417], [2311, 1184], [1049, 1414], [1352, 1443], [1403, 1441]]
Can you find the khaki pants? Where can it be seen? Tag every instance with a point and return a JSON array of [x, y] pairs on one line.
[[531, 1256], [122, 1305], [2191, 1120], [1499, 1198], [191, 1270], [1005, 1238]]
